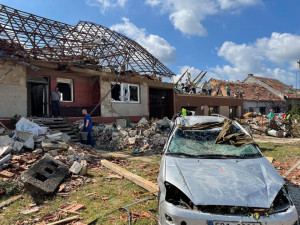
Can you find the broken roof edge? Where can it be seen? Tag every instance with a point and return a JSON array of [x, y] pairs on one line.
[[140, 61]]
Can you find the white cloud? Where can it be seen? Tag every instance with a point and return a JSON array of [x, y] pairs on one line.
[[155, 44], [188, 15], [105, 4], [263, 57]]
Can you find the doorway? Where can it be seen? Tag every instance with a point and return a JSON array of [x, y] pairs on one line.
[[160, 103], [37, 96]]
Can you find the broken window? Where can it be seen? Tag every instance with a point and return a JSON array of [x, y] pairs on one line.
[[262, 110], [66, 89], [213, 110], [125, 93], [116, 92]]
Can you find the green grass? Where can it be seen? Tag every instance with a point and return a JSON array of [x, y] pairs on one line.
[[120, 192], [280, 152]]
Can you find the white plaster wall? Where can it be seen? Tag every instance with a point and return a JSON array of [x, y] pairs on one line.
[[256, 105], [13, 100], [13, 90], [134, 109], [115, 109]]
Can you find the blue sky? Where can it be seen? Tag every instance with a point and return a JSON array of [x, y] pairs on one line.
[[228, 38]]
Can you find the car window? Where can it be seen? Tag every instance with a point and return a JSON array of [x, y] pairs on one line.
[[202, 143]]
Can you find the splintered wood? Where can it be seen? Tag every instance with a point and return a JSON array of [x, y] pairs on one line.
[[149, 186]]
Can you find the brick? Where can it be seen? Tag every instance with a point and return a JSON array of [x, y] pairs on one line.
[[44, 176], [6, 174]]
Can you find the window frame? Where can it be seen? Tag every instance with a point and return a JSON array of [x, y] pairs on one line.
[[122, 85], [66, 81]]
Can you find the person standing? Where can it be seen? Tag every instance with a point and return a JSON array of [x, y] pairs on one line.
[[87, 127], [227, 90], [55, 98]]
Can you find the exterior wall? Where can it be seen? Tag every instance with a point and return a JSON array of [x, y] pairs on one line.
[[257, 104], [224, 110], [202, 103], [119, 109], [85, 94], [290, 102], [13, 90], [253, 80]]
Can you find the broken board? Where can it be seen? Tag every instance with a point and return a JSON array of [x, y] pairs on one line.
[[149, 186]]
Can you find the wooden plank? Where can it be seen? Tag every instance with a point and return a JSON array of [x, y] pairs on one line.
[[10, 200], [270, 159], [149, 186], [65, 220]]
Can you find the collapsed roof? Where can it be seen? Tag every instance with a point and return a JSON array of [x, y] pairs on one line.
[[287, 90], [250, 92], [32, 37]]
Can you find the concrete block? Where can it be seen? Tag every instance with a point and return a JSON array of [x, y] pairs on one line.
[[29, 143], [5, 140], [124, 133], [38, 151], [18, 146], [45, 176], [49, 144], [76, 168], [24, 135], [71, 151], [4, 150], [65, 137], [84, 168], [53, 153]]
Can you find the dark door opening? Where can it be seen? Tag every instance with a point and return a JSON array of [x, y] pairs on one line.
[[160, 103], [38, 99], [37, 95]]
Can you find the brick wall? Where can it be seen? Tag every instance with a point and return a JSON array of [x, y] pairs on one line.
[[201, 103]]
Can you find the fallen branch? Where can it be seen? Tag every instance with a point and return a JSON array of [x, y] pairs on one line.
[[65, 220], [10, 200], [149, 186]]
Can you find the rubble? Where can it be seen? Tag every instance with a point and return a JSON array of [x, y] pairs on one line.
[[141, 137], [76, 168], [44, 176]]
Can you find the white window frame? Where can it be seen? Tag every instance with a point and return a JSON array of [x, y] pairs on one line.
[[122, 92], [67, 81]]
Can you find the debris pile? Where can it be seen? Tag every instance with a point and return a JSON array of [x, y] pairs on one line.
[[140, 137], [279, 127]]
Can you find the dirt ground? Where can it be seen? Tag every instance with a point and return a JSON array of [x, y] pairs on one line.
[[103, 191]]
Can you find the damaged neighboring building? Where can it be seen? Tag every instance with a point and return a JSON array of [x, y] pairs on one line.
[[255, 97], [206, 105], [287, 93], [94, 67]]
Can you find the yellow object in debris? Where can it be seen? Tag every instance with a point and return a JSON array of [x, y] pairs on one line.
[[256, 216], [183, 112]]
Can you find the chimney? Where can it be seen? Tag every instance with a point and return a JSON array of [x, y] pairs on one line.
[[250, 75]]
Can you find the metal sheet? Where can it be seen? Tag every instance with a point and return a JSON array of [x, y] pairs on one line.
[[232, 182]]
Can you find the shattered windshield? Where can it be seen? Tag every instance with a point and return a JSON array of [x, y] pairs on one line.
[[201, 143]]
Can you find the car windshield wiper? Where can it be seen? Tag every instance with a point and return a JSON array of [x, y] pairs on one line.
[[219, 156], [180, 154]]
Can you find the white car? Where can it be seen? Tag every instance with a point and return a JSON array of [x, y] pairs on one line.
[[204, 183]]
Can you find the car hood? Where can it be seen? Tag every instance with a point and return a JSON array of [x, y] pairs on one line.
[[231, 182]]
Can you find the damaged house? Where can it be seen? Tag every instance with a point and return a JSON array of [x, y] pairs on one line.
[[256, 98], [94, 67], [287, 93]]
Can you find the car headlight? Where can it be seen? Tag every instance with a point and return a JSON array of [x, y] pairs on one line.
[[281, 203], [177, 197]]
